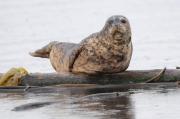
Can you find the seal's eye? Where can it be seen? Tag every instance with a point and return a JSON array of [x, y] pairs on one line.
[[123, 21]]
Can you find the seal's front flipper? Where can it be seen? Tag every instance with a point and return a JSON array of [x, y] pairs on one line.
[[74, 55], [44, 51]]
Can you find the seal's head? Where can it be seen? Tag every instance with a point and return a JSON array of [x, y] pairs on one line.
[[118, 28]]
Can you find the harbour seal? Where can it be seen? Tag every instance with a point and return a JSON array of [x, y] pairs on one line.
[[107, 51]]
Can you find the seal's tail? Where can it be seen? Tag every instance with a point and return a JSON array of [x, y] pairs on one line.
[[44, 51]]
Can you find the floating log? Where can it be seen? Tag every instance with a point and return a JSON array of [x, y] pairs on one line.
[[127, 77]]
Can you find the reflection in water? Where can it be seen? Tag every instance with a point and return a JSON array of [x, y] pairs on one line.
[[79, 103], [110, 107]]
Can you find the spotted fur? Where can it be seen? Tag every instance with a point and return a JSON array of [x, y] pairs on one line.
[[107, 51]]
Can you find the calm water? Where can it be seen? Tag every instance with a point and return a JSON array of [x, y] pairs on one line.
[[144, 102], [27, 25]]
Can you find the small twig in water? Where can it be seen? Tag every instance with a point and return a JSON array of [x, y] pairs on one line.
[[27, 87], [157, 77], [177, 67]]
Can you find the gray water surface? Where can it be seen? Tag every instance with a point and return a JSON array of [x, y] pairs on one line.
[[104, 102]]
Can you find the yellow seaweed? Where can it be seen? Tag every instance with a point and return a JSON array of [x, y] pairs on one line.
[[13, 77]]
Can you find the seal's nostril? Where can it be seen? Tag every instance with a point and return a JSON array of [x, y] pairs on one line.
[[123, 21]]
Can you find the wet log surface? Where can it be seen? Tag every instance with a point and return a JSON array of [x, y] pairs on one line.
[[127, 77]]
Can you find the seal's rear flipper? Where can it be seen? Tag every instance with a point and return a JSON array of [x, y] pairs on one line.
[[38, 54], [44, 51]]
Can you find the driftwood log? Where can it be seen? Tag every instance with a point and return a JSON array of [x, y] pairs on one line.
[[127, 77], [109, 83]]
